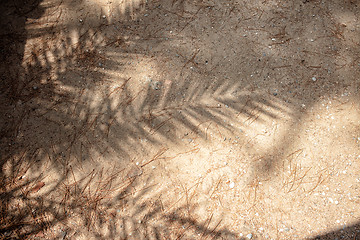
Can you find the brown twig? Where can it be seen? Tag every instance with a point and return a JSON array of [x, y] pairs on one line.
[[157, 156]]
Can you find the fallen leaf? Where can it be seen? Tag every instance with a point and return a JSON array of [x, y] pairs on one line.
[[37, 187]]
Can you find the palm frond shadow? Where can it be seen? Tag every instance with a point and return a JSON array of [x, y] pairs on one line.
[[49, 122], [96, 206], [54, 91], [50, 110]]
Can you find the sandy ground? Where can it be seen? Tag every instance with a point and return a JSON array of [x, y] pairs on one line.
[[181, 119]]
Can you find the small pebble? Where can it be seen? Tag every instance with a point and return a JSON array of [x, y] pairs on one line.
[[314, 79], [249, 236]]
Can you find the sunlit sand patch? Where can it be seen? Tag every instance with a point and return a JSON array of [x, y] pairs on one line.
[[115, 9]]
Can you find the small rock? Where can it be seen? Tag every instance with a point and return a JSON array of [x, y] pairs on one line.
[[249, 236], [231, 185], [314, 79]]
